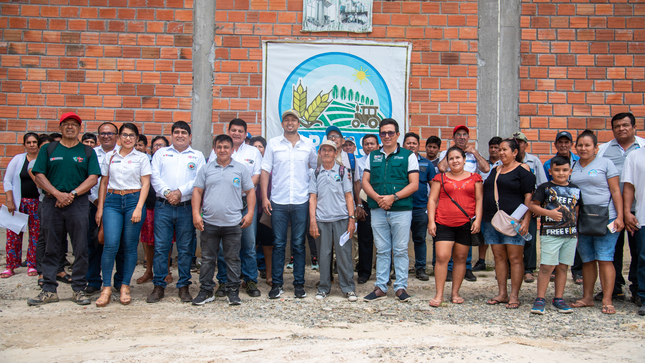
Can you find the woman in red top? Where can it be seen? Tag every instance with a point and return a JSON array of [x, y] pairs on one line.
[[448, 225]]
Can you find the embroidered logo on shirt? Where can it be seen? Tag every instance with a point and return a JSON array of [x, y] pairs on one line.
[[168, 155], [129, 161], [337, 178], [378, 157], [191, 166], [250, 161], [56, 158], [593, 173], [236, 182], [78, 159]]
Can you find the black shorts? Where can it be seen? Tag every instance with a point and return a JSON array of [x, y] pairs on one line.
[[460, 234]]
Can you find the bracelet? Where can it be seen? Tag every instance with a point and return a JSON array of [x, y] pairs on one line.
[[359, 206]]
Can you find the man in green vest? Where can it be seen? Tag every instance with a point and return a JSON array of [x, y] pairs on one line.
[[390, 177]]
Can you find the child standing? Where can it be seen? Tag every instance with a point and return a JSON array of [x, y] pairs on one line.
[[557, 202]]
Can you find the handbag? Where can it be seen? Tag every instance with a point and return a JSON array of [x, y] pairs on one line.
[[100, 234], [477, 239], [501, 220], [593, 220]]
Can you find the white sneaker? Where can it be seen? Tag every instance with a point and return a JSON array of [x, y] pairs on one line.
[[351, 296], [321, 295]]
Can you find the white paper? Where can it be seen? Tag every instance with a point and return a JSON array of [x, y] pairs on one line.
[[519, 212], [346, 236], [16, 223]]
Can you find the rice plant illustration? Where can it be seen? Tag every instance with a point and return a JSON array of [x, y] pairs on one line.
[[309, 114]]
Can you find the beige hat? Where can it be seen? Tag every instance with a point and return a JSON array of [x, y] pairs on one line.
[[290, 112], [520, 136], [329, 143]]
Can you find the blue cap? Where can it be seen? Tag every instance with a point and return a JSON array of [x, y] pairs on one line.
[[333, 128], [562, 134], [248, 135]]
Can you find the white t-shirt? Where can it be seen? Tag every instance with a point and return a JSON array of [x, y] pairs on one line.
[[634, 173], [126, 171], [469, 166]]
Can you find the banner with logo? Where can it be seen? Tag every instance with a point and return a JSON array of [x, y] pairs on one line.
[[349, 85]]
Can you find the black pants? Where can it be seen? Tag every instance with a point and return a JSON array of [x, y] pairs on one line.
[[365, 244], [56, 224], [530, 248], [41, 245], [618, 263], [231, 242]]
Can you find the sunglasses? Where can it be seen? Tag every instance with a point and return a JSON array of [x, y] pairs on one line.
[[387, 133]]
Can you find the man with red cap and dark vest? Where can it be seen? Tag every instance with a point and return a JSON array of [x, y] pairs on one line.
[[66, 171]]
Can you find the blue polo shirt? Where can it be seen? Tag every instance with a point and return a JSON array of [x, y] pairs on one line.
[[426, 173]]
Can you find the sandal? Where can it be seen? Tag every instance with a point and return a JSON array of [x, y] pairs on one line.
[[32, 272], [529, 278], [104, 299], [512, 306], [125, 298], [577, 279], [581, 304], [41, 283], [608, 309], [7, 273], [495, 302], [435, 304], [67, 279]]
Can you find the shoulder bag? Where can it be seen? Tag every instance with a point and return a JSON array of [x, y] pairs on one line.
[[501, 220], [592, 218], [477, 239]]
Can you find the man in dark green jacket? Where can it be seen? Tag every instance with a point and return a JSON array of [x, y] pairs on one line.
[[390, 177]]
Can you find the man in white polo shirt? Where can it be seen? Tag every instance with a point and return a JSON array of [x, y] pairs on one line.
[[288, 158], [252, 158], [634, 208]]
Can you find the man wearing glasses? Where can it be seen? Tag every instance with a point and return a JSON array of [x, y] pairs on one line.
[[390, 177]]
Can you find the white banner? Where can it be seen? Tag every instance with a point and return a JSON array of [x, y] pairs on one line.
[[349, 85]]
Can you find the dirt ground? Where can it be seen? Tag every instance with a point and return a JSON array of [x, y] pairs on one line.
[[305, 330]]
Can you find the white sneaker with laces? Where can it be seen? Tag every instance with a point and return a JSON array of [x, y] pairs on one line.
[[351, 296], [321, 296]]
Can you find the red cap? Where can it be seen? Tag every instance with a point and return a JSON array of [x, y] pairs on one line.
[[459, 128], [71, 115]]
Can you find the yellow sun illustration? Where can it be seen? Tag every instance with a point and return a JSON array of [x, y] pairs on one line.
[[360, 75]]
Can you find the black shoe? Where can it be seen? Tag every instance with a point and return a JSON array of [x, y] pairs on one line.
[[233, 297], [616, 296], [449, 276], [194, 265], [299, 291], [24, 263], [377, 294], [393, 276], [252, 289], [66, 263], [80, 298], [66, 279], [276, 291], [221, 290], [45, 297], [421, 274], [641, 310], [91, 290], [402, 295], [470, 276], [263, 274], [637, 300], [480, 266], [362, 280], [156, 294], [203, 297]]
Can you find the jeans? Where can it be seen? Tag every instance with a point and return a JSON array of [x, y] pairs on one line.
[[391, 236], [365, 244], [247, 254], [530, 248], [94, 253], [419, 226], [281, 215], [639, 238], [171, 219], [618, 262], [120, 231], [230, 239], [56, 223]]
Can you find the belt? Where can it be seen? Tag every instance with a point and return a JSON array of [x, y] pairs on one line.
[[182, 204], [123, 192]]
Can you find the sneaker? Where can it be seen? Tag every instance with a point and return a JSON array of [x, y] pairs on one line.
[[221, 290], [421, 274], [480, 266], [203, 297], [91, 290], [402, 295], [276, 291], [449, 276], [561, 306], [351, 296], [263, 274], [538, 306], [252, 289], [641, 310], [45, 297], [80, 298], [233, 297], [320, 296], [195, 265], [290, 264], [377, 294], [470, 276], [314, 264], [299, 291]]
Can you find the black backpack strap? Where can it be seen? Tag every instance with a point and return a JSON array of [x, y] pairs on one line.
[[317, 171], [341, 172], [51, 147], [88, 153]]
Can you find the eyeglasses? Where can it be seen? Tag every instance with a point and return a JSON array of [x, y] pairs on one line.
[[107, 134], [158, 145], [333, 137], [387, 133], [128, 136]]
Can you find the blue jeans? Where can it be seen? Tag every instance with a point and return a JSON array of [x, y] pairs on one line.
[[419, 226], [247, 255], [94, 254], [171, 219], [391, 236], [640, 250], [281, 215], [120, 231]]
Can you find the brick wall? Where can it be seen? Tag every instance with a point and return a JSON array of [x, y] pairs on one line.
[[581, 63]]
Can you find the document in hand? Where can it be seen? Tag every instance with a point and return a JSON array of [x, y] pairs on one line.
[[16, 223], [346, 236]]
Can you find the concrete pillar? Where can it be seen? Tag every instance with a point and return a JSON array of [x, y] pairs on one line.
[[498, 83], [203, 75]]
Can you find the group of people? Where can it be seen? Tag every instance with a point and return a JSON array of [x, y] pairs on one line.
[[250, 192]]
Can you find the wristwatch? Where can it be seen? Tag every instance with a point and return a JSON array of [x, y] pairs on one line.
[[74, 193], [352, 217], [396, 197], [166, 192]]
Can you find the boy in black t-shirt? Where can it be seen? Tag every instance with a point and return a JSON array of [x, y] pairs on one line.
[[557, 202]]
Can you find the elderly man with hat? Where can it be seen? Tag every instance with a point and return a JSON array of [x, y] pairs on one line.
[[288, 158], [331, 213], [66, 171], [535, 164], [475, 163]]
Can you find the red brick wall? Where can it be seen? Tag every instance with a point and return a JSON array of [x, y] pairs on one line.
[[581, 63]]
